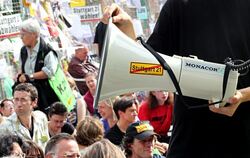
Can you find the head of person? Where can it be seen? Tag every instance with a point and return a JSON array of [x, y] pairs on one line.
[[32, 150], [103, 148], [30, 32], [81, 51], [125, 109], [25, 98], [105, 109], [57, 116], [62, 145], [156, 98], [139, 140], [11, 145], [88, 131], [7, 107], [90, 79]]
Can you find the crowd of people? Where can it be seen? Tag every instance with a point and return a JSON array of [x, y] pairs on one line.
[[35, 123]]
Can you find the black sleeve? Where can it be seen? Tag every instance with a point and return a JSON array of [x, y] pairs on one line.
[[68, 128], [164, 38]]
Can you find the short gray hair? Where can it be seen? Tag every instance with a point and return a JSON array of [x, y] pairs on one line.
[[30, 25]]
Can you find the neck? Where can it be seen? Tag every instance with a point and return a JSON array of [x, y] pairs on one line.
[[33, 44], [123, 125], [92, 92], [111, 121], [161, 102], [26, 121]]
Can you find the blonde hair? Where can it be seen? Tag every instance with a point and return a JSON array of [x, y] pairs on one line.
[[103, 149]]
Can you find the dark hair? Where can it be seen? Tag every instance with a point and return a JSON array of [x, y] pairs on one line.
[[57, 108], [33, 150], [6, 143], [27, 87], [152, 101], [122, 104], [4, 100], [126, 143], [89, 131], [51, 145]]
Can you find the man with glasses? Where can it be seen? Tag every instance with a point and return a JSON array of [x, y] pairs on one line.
[[62, 145], [26, 123], [139, 141]]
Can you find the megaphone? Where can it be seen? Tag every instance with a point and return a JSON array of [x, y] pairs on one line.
[[127, 66]]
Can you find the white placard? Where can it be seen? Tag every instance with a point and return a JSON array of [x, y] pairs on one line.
[[6, 6], [88, 12], [9, 25]]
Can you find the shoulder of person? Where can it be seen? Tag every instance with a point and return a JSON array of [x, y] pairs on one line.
[[39, 115]]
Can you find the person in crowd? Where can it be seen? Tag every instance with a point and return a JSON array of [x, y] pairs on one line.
[[62, 145], [6, 107], [131, 95], [32, 150], [80, 65], [38, 63], [99, 36], [158, 109], [26, 123], [103, 149], [91, 81], [211, 30], [125, 110], [80, 110], [88, 131], [140, 140], [108, 117], [57, 120], [11, 145]]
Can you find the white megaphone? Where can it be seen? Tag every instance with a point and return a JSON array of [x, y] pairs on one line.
[[127, 66]]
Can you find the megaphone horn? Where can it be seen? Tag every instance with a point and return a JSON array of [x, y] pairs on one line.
[[127, 66]]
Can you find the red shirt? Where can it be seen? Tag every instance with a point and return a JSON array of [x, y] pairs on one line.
[[89, 99], [159, 117]]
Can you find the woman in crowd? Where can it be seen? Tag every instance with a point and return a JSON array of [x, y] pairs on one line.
[[158, 109], [105, 109], [90, 79]]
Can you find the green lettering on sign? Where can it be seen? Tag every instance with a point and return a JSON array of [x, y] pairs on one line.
[[62, 89]]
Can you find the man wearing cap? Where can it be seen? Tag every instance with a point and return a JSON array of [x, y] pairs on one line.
[[80, 65], [139, 141]]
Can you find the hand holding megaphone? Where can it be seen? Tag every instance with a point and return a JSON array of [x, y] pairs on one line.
[[120, 18], [233, 102]]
